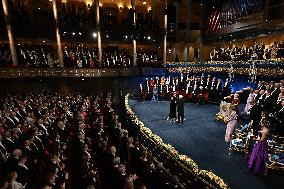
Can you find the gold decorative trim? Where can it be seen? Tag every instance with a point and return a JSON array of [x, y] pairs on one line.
[[207, 177]]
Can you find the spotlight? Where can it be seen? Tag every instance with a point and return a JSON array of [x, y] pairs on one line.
[[95, 35], [144, 3], [38, 8], [80, 33], [73, 33], [149, 37], [107, 36], [126, 37], [43, 41]]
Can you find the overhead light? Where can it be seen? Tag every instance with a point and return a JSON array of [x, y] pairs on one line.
[[126, 37], [73, 33], [144, 3], [110, 14], [107, 36], [149, 37], [80, 33], [43, 41], [38, 8], [95, 35]]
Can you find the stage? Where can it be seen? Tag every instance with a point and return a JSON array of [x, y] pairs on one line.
[[201, 137]]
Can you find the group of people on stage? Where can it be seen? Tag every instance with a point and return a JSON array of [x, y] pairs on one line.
[[177, 106], [255, 52], [265, 110], [197, 89]]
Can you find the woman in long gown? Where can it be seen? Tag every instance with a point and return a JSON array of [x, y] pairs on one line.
[[231, 123], [173, 105], [259, 154]]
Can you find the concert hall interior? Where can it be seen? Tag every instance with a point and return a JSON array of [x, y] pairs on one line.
[[141, 94]]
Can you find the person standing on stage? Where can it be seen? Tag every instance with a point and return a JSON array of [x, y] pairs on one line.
[[231, 123], [155, 93], [173, 106], [259, 154], [180, 109]]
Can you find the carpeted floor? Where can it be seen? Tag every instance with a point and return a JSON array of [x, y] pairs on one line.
[[201, 137]]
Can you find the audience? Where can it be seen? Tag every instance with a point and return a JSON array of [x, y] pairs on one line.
[[56, 140], [255, 52], [78, 56]]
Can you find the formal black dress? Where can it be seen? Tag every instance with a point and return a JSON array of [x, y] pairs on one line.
[[173, 105]]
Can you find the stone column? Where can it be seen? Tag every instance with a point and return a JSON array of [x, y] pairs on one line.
[[10, 33], [99, 31], [153, 8], [165, 35], [133, 3], [189, 13], [58, 38]]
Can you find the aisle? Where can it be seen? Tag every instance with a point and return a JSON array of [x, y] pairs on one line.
[[202, 138]]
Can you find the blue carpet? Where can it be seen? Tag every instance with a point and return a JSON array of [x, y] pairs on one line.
[[201, 137]]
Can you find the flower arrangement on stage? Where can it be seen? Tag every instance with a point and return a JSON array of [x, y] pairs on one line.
[[206, 177]]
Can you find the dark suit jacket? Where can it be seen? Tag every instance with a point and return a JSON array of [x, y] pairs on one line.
[[23, 174], [180, 106]]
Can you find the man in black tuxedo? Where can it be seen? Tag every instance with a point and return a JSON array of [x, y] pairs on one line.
[[180, 109], [226, 90], [279, 116], [9, 121], [23, 171], [260, 98], [255, 116], [268, 102]]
